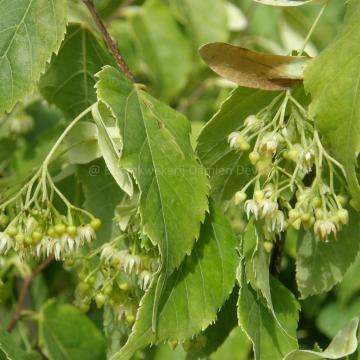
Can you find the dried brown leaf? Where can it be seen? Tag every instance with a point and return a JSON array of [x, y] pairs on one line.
[[253, 69]]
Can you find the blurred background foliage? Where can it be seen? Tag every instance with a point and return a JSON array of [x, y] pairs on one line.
[[159, 40]]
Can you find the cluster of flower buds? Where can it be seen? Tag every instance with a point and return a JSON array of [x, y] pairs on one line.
[[141, 266], [284, 146], [32, 226], [40, 236]]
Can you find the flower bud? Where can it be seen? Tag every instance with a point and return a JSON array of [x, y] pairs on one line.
[[258, 195], [71, 230], [343, 216], [12, 231], [60, 229], [293, 215], [254, 157], [319, 214], [296, 224], [268, 246], [95, 224], [342, 199], [316, 202], [100, 300], [240, 197], [4, 220]]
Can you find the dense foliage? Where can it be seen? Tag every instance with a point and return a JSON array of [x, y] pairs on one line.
[[178, 179]]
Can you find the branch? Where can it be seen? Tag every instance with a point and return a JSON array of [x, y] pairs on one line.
[[110, 42], [24, 289]]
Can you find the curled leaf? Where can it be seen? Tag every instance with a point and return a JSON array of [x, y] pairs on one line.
[[253, 69]]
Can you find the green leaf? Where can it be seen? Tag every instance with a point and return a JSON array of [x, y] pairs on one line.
[[334, 316], [111, 154], [269, 340], [202, 25], [82, 142], [344, 344], [157, 150], [228, 169], [236, 346], [336, 104], [350, 284], [194, 293], [321, 265], [216, 334], [9, 349], [70, 79], [163, 47], [30, 31], [257, 262], [66, 334], [102, 195]]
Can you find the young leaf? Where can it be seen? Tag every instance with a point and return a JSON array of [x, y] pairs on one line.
[[269, 340], [228, 169], [70, 79], [336, 104], [252, 69], [164, 48], [111, 154], [30, 31], [157, 150], [194, 293], [344, 344], [9, 349], [321, 265], [66, 334]]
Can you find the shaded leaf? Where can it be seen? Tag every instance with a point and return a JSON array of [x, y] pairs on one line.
[[321, 265], [334, 316], [344, 343], [252, 69], [70, 79], [203, 25], [336, 104], [67, 334], [164, 49], [102, 195], [229, 170], [30, 31], [194, 293], [9, 349], [236, 346]]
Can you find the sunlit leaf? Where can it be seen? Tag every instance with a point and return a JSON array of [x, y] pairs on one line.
[[333, 78], [344, 343], [30, 31], [194, 293]]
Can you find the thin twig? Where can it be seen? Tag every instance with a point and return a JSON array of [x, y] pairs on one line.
[[24, 289], [110, 42]]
